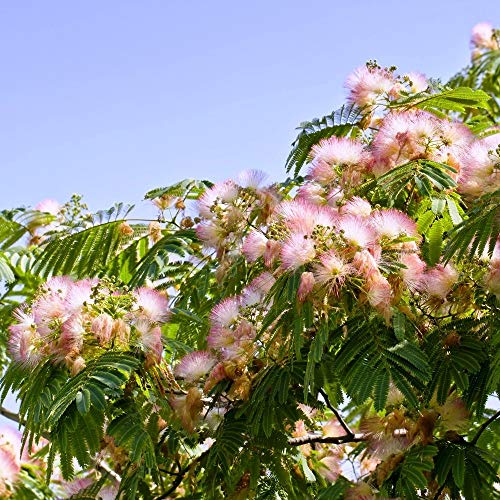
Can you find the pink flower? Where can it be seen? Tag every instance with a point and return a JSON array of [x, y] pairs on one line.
[[332, 270], [483, 36], [224, 192], [302, 217], [152, 305], [10, 466], [369, 86], [24, 338], [252, 178], [414, 270], [211, 233], [338, 151], [79, 294], [418, 82], [379, 294], [49, 206], [195, 365], [226, 313], [254, 246], [479, 172], [356, 206], [356, 231], [312, 193], [365, 263], [150, 340], [492, 276], [102, 328], [298, 250], [392, 224], [438, 281], [306, 286], [72, 332]]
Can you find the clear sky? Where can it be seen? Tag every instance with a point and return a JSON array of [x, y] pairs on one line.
[[112, 98]]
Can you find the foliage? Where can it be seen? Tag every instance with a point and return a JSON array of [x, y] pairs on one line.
[[332, 336]]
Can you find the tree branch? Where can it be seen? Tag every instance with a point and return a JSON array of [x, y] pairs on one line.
[[484, 427], [338, 416], [312, 438], [10, 415]]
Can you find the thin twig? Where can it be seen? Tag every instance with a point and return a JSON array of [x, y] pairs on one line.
[[484, 427], [312, 438], [338, 416], [10, 415]]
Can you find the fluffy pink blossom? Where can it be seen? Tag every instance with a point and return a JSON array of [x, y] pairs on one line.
[[306, 285], [404, 136], [72, 333], [224, 192], [149, 339], [254, 246], [79, 294], [49, 206], [102, 328], [211, 233], [338, 151], [252, 178], [438, 281], [483, 36], [356, 206], [369, 86], [263, 283], [379, 294], [152, 305], [303, 217], [220, 337], [365, 263], [414, 270], [418, 81], [195, 365], [492, 276], [299, 249], [356, 231], [393, 223], [479, 172], [312, 193], [332, 270], [226, 312], [24, 338], [10, 466]]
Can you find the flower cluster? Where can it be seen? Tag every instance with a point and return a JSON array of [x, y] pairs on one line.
[[71, 321], [227, 208], [484, 37], [233, 345]]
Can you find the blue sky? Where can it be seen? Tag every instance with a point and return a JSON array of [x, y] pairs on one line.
[[110, 99]]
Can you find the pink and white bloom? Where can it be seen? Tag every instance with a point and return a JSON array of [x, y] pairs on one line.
[[332, 270], [392, 224], [221, 193], [483, 36], [338, 151], [152, 305], [417, 81], [356, 206], [306, 285], [195, 365], [299, 249], [254, 246], [439, 281], [356, 231], [369, 86], [226, 312]]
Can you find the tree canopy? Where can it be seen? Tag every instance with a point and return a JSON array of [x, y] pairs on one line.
[[331, 336]]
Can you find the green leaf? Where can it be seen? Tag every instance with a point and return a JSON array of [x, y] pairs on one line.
[[435, 240], [83, 401]]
